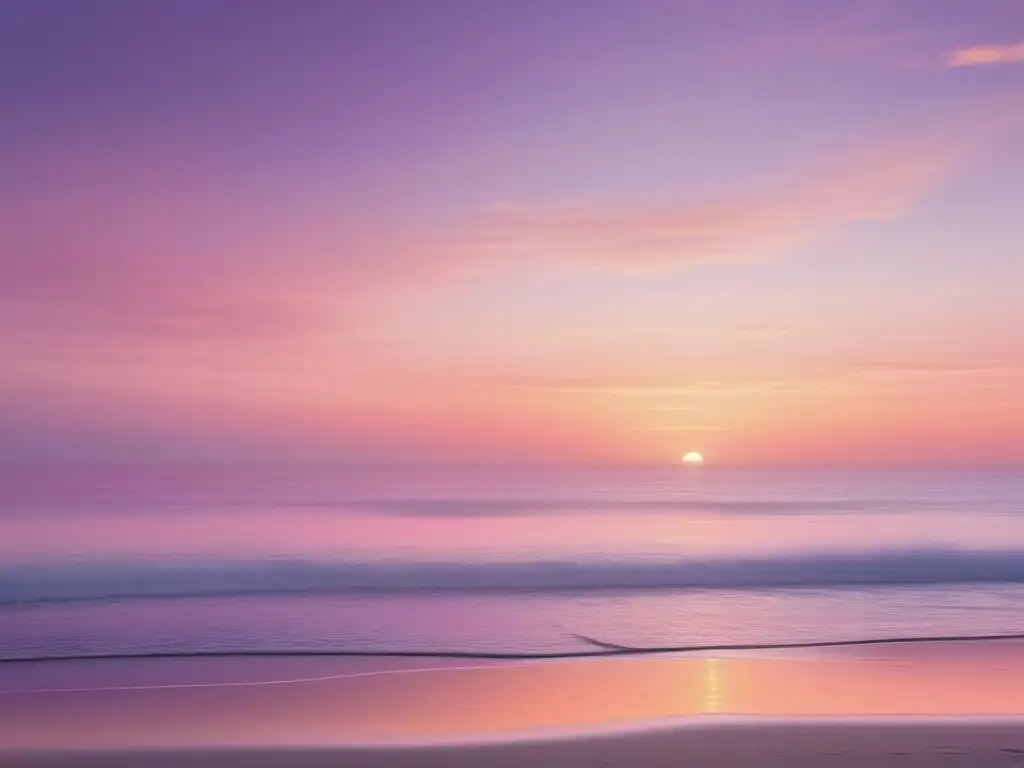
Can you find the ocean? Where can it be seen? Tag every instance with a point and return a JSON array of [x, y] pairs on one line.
[[166, 559]]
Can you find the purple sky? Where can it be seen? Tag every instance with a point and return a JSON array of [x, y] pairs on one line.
[[589, 230]]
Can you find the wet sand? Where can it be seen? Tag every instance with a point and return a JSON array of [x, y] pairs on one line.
[[930, 705], [772, 745]]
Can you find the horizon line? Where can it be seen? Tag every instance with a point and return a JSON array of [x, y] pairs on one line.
[[344, 465]]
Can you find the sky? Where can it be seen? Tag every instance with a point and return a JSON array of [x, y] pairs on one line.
[[512, 231]]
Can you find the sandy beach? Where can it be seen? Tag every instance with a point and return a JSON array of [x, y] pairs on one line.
[[769, 744], [941, 704]]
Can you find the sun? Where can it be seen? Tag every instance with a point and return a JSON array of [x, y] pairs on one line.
[[693, 458]]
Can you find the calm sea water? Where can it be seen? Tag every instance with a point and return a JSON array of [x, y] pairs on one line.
[[105, 560]]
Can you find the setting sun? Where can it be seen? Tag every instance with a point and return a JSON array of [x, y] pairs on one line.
[[693, 458]]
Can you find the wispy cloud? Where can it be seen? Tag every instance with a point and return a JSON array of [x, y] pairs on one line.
[[883, 181], [930, 367], [760, 329], [657, 387], [135, 249], [690, 428], [605, 389], [979, 55], [846, 376]]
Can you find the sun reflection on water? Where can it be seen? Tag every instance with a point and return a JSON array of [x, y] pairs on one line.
[[712, 686]]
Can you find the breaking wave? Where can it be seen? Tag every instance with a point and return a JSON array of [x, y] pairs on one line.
[[34, 583]]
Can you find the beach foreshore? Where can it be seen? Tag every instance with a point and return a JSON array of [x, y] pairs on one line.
[[934, 704], [769, 744]]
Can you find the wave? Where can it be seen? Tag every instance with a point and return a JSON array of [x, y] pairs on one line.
[[502, 507], [35, 583], [462, 507]]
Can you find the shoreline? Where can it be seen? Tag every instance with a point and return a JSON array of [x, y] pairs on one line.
[[374, 703], [952, 742]]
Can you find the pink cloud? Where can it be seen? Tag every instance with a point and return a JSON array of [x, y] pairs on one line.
[[618, 386], [112, 264], [880, 182], [726, 381], [978, 55], [131, 252], [124, 244], [761, 329], [131, 245], [937, 367]]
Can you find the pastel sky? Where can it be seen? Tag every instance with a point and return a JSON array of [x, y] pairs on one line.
[[505, 231]]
